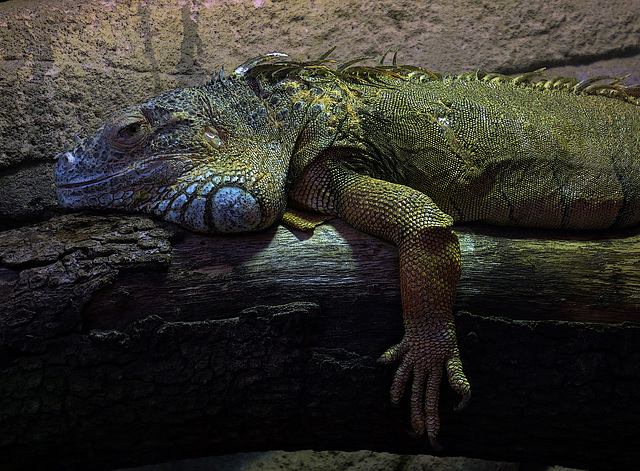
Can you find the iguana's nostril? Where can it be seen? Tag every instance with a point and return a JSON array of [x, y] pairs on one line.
[[66, 160]]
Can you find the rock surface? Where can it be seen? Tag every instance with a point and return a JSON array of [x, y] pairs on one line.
[[335, 461], [65, 66]]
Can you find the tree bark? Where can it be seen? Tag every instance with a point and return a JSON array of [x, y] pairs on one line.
[[125, 341]]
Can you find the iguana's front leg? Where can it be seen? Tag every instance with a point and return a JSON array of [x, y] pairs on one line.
[[429, 271]]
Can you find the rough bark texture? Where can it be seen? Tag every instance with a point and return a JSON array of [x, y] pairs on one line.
[[118, 349]]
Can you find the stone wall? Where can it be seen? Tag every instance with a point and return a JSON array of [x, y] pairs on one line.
[[67, 65]]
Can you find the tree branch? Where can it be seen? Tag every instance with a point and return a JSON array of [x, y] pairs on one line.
[[124, 341]]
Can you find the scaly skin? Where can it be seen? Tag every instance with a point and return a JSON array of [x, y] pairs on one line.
[[396, 151]]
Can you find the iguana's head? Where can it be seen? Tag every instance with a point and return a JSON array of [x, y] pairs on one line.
[[211, 158]]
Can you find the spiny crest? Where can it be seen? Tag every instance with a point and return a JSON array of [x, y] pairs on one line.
[[275, 66], [538, 80]]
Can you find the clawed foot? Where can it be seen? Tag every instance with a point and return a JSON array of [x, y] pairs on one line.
[[425, 357]]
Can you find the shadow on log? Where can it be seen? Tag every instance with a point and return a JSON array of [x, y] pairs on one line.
[[124, 341]]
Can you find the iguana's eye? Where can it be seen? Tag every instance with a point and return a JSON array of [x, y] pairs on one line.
[[127, 131], [130, 130], [214, 137]]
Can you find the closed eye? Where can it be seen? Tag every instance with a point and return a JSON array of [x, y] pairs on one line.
[[214, 136], [128, 131]]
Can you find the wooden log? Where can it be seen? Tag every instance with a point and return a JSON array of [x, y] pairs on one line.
[[124, 342]]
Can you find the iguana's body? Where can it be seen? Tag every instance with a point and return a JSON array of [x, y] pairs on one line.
[[508, 155], [396, 151]]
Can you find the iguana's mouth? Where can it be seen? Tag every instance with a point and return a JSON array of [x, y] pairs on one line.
[[68, 186], [66, 162]]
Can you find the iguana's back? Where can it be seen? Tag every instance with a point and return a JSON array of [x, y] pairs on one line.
[[510, 153]]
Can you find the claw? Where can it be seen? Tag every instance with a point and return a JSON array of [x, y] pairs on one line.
[[464, 402], [421, 359], [435, 444]]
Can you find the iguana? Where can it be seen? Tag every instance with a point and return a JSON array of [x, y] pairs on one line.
[[395, 150]]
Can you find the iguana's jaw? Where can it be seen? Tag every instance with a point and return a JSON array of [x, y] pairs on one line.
[[203, 198], [218, 200]]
